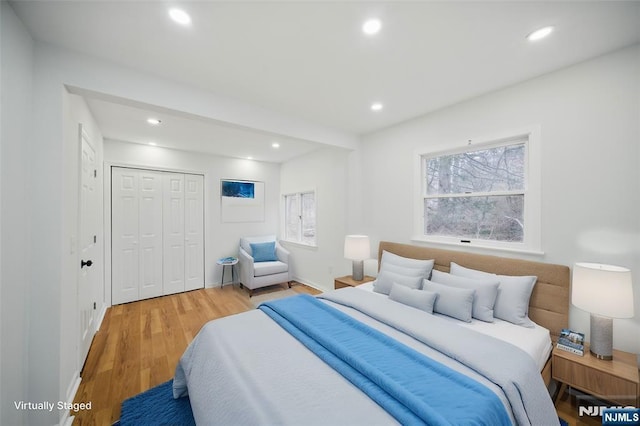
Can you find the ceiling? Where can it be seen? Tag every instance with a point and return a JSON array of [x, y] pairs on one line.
[[126, 121], [311, 61]]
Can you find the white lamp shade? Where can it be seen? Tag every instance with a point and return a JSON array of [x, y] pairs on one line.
[[602, 290], [357, 247]]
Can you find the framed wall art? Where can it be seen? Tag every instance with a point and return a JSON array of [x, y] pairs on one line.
[[241, 201]]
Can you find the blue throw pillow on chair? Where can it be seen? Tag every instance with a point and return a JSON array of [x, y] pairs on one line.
[[264, 252]]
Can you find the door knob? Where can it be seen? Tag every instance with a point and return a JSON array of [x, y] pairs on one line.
[[87, 263]]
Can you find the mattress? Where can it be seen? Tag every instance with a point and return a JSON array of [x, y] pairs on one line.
[[536, 342]]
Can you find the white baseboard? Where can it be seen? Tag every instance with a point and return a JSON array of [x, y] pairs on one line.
[[68, 421], [311, 284], [72, 389], [103, 312]]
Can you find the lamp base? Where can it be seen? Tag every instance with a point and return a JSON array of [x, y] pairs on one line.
[[601, 345], [358, 270]]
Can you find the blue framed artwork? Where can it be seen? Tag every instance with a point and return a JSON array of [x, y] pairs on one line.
[[241, 201], [238, 189]]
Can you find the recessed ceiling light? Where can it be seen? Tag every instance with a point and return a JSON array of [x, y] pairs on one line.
[[180, 16], [372, 26], [376, 106], [275, 145], [540, 34], [249, 158], [153, 143], [153, 121]]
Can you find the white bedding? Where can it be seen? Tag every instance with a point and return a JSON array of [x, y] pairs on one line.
[[534, 341], [245, 369]]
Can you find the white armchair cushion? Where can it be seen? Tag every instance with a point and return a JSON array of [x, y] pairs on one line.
[[261, 269]]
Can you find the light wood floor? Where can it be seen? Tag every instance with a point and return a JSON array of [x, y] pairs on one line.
[[139, 344]]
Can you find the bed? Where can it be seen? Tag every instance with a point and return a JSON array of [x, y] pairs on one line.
[[356, 356]]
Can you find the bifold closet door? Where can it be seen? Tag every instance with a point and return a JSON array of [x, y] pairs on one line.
[[183, 232], [194, 231], [157, 227], [174, 233], [137, 234]]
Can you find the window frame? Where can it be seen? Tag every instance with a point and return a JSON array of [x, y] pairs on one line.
[[531, 243], [300, 227]]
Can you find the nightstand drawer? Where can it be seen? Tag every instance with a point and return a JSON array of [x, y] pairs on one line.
[[595, 382]]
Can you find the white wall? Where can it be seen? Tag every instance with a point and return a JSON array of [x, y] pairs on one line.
[[221, 239], [17, 50], [588, 115], [326, 172]]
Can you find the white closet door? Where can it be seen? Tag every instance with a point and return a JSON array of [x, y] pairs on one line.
[[157, 233], [151, 234], [174, 234], [124, 235], [194, 231]]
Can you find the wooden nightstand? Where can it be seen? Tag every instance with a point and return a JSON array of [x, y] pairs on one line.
[[616, 380], [348, 281]]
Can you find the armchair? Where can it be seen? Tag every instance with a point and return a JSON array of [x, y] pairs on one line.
[[263, 262]]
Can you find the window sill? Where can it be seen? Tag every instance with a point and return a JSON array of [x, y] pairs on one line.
[[299, 244], [478, 246]]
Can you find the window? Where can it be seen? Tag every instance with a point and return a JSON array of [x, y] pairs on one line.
[[300, 218], [483, 194]]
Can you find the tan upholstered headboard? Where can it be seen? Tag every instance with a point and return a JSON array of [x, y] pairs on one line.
[[549, 303]]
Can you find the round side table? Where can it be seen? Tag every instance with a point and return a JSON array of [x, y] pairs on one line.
[[224, 262]]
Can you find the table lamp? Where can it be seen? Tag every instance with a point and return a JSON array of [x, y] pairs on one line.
[[605, 292], [357, 249]]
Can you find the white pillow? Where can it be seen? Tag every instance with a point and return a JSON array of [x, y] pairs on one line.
[[451, 301], [386, 279], [514, 292], [485, 296], [419, 299], [405, 265]]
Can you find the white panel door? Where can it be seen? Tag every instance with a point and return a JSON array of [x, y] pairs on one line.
[[125, 233], [194, 231], [87, 282], [174, 234], [150, 196]]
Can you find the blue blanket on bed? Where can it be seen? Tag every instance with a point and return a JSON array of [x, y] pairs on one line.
[[408, 385]]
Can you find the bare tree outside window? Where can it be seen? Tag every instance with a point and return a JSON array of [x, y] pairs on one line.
[[300, 218], [292, 222], [309, 218], [476, 194]]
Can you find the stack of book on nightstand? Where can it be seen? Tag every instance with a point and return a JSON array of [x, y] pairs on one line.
[[571, 341]]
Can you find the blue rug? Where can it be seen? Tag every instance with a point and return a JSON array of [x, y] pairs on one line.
[[156, 407]]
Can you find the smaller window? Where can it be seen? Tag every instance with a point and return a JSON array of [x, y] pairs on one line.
[[300, 217]]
